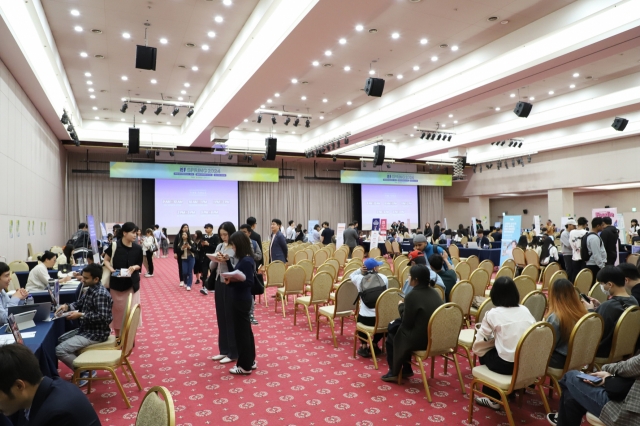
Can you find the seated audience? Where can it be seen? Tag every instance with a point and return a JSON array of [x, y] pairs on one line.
[[535, 245], [497, 236], [631, 279], [523, 242], [483, 242], [503, 325], [611, 281], [408, 333], [448, 277], [93, 309], [417, 258], [5, 301], [29, 399], [548, 252], [364, 279], [614, 400], [565, 310], [39, 276]]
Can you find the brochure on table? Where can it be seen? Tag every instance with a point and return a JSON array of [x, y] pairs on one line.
[[511, 226]]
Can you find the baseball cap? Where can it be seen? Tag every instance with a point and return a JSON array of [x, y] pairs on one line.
[[420, 238], [572, 222], [372, 263], [415, 254]]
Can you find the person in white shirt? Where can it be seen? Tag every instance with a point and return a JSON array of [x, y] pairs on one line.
[[505, 325], [633, 230], [39, 276], [290, 235], [548, 252], [575, 239], [157, 234], [5, 301], [314, 235]]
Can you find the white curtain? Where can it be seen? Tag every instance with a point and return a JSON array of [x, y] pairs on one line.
[[431, 204]]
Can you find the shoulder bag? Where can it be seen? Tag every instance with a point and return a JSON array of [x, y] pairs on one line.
[[106, 273]]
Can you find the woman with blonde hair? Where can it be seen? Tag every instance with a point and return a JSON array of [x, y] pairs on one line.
[[565, 310]]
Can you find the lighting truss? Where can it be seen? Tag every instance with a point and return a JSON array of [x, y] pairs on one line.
[[435, 135], [329, 145], [511, 143], [66, 120]]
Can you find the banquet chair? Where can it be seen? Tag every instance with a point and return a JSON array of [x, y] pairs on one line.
[[320, 291], [583, 345], [333, 262], [464, 241], [389, 247], [487, 265], [509, 263], [374, 252], [464, 270], [341, 256], [440, 292], [468, 335], [327, 267], [518, 257], [275, 277], [397, 250], [625, 336], [355, 261], [394, 283], [399, 268], [309, 252], [399, 259], [531, 271], [455, 261], [112, 342], [454, 251], [358, 253], [633, 258], [387, 272], [473, 261], [443, 330], [110, 359], [462, 295], [402, 278], [319, 258], [557, 276], [315, 247], [597, 293], [480, 281], [307, 265], [530, 366], [19, 266], [532, 258], [536, 302], [300, 255], [525, 285], [547, 273], [505, 271], [293, 283], [156, 411], [346, 301], [386, 311], [40, 253], [348, 270], [57, 250], [583, 281]]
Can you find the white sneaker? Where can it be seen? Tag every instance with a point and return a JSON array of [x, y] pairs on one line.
[[188, 288], [486, 402], [218, 357], [181, 283], [148, 275], [239, 370], [255, 365], [227, 360]]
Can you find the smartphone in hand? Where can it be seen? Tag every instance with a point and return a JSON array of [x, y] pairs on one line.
[[585, 297], [594, 380]]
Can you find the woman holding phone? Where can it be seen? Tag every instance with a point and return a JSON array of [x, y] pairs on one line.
[[224, 257], [187, 252], [176, 244]]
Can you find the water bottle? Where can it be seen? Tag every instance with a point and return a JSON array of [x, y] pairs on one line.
[[29, 300]]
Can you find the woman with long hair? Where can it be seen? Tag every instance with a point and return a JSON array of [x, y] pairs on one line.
[[148, 243], [239, 292], [548, 252], [523, 242], [126, 263], [197, 266], [299, 233], [164, 243], [565, 310], [223, 297], [187, 252], [427, 230], [176, 243]]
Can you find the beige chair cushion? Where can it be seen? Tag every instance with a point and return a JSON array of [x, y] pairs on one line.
[[107, 358], [305, 300], [601, 361], [539, 286], [503, 381], [593, 420], [364, 328], [110, 343], [487, 293], [473, 311], [466, 337], [555, 372]]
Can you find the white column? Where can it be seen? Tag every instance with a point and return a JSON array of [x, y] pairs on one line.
[[479, 208], [560, 205]]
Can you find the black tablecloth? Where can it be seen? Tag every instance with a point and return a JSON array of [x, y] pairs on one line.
[[43, 345], [483, 254]]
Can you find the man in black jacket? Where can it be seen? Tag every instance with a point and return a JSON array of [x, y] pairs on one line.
[[609, 236], [33, 400], [436, 232], [255, 237]]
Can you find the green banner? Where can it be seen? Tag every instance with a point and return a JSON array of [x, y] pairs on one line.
[[191, 172], [392, 178]]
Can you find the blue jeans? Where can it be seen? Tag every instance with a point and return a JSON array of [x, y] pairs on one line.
[[187, 270], [577, 398]]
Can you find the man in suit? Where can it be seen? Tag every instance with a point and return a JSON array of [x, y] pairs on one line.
[[350, 236], [33, 400], [278, 248], [482, 240]]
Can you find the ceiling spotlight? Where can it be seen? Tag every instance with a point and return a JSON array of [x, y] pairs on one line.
[[175, 111], [423, 135], [143, 108], [273, 119], [70, 128], [342, 41], [529, 158], [359, 27], [439, 136], [346, 141], [190, 113], [259, 118], [520, 145], [287, 121], [334, 158], [424, 41], [338, 143], [454, 48], [449, 138], [218, 19], [158, 110], [172, 153], [510, 144], [124, 107], [395, 35], [65, 118], [230, 157], [75, 12], [307, 123], [296, 122], [513, 162]]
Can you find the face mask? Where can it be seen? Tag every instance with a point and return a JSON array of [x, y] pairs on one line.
[[605, 291]]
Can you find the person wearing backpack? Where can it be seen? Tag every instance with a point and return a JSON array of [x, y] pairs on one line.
[[370, 286], [427, 249], [592, 248]]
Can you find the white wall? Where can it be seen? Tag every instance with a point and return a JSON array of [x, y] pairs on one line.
[[514, 206], [32, 166], [456, 210]]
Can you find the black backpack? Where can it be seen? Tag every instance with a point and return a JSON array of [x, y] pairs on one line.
[[584, 249], [372, 288]]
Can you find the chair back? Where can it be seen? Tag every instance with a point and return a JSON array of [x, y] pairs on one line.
[[321, 287], [300, 255], [444, 329], [320, 257], [355, 261], [625, 334], [525, 285], [464, 241], [307, 265], [455, 261], [388, 246], [505, 271], [275, 273], [532, 355], [404, 274], [440, 291], [596, 293], [480, 281], [387, 307], [584, 341], [473, 262], [485, 307], [633, 258], [396, 247], [583, 281], [57, 250], [536, 302], [558, 276], [334, 262], [358, 253], [131, 328], [315, 247], [294, 279], [487, 265], [454, 251], [374, 252], [397, 260], [309, 252], [518, 257], [509, 263], [346, 297], [327, 267], [462, 295], [399, 268], [548, 272], [156, 411], [394, 283], [350, 269], [19, 266], [341, 256], [531, 271], [463, 270], [387, 272], [532, 258]]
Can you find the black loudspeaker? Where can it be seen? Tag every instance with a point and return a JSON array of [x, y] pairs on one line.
[[378, 157], [146, 57], [525, 211], [374, 87], [620, 123], [134, 140], [523, 109], [271, 146]]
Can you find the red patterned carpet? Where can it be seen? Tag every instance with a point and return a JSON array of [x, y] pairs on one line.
[[299, 381]]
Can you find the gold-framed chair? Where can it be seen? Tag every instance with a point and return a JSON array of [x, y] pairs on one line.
[[625, 336], [558, 275], [307, 265], [57, 250], [110, 359], [518, 257], [536, 302], [440, 292], [310, 253], [547, 273], [473, 261], [633, 258], [293, 284], [511, 264], [275, 277], [531, 271], [156, 411], [532, 258], [335, 263], [399, 259], [399, 268], [374, 252], [320, 291], [358, 253], [14, 285], [328, 268], [597, 293], [388, 247], [112, 341], [354, 261], [530, 366], [394, 283], [505, 271], [463, 270], [443, 330], [386, 311], [320, 257], [404, 274], [462, 295], [525, 285], [582, 347], [454, 251], [480, 281], [341, 256], [468, 335], [345, 306], [464, 240], [487, 265], [300, 255], [397, 250], [583, 281], [387, 272], [350, 269], [19, 266], [455, 261]]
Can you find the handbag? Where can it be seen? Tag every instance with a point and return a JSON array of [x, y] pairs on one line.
[[618, 387], [257, 288], [106, 273]]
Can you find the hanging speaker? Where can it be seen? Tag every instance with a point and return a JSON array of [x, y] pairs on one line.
[[523, 109], [620, 123], [374, 87], [146, 57], [134, 140], [271, 147], [378, 155]]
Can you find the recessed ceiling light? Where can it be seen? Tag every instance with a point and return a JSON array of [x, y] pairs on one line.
[[531, 98], [226, 2], [83, 54], [205, 47], [347, 68], [349, 102], [505, 22], [122, 119], [257, 130], [315, 63], [262, 106], [395, 35], [400, 76], [89, 82], [359, 27], [163, 41], [342, 41], [168, 122], [194, 68], [372, 72], [327, 53], [94, 108], [154, 81], [513, 95], [434, 58], [144, 121], [211, 34], [325, 100], [551, 92], [294, 80], [187, 85], [455, 121], [90, 89], [575, 74], [74, 12], [124, 78], [126, 35], [573, 86], [454, 48], [424, 41], [218, 19], [87, 74], [78, 28], [97, 118], [277, 95], [444, 125], [269, 101], [411, 135], [184, 92], [450, 115], [180, 98], [92, 96], [123, 99], [416, 67], [497, 108], [304, 98], [246, 120]]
